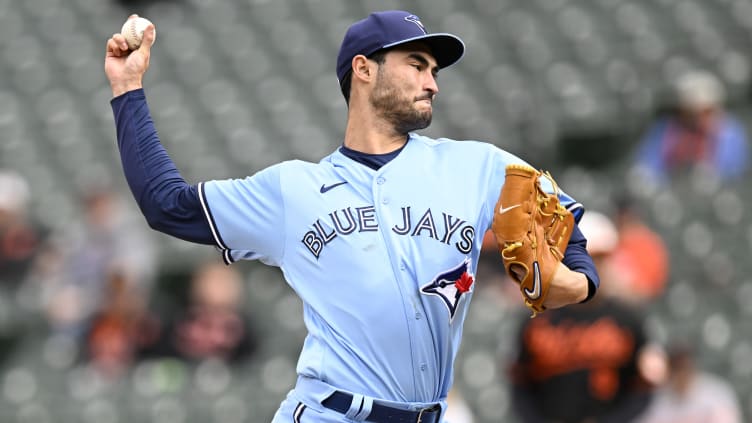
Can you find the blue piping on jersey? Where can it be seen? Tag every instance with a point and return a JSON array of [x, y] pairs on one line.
[[226, 254]]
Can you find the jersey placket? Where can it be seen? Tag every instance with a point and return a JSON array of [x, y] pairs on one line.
[[424, 381]]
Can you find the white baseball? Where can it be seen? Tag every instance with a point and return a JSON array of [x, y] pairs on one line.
[[133, 31]]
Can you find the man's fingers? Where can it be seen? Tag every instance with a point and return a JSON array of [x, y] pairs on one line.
[[120, 40], [148, 40], [114, 48]]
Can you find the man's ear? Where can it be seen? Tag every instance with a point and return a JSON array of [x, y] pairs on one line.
[[361, 68]]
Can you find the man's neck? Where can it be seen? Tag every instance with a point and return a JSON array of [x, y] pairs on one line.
[[372, 135]]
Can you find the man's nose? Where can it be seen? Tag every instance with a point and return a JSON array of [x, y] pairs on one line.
[[431, 85]]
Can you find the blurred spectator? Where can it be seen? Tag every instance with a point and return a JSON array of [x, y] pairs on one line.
[[20, 237], [212, 322], [639, 264], [119, 330], [20, 240], [587, 362], [691, 395], [74, 273], [701, 133]]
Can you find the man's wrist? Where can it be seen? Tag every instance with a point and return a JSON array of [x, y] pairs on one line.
[[567, 287], [122, 88], [582, 287]]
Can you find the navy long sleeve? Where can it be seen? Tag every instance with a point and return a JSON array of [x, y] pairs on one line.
[[577, 258], [167, 201]]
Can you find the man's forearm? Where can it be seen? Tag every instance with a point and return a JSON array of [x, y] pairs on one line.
[[168, 203]]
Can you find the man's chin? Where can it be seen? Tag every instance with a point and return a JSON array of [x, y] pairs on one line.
[[415, 125]]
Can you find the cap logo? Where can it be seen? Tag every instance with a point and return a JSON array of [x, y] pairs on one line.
[[416, 20]]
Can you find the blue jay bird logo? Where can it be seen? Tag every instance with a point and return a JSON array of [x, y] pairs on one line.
[[416, 20], [450, 285]]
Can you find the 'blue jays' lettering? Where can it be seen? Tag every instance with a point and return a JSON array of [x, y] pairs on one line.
[[362, 219]]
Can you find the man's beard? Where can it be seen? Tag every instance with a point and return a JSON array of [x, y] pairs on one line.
[[392, 105]]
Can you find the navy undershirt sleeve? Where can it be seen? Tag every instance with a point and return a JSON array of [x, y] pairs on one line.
[[577, 258], [167, 201]]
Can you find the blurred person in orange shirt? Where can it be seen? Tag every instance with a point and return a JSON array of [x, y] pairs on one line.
[[591, 362], [119, 330], [639, 264]]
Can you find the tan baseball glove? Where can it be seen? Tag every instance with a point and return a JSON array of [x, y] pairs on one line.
[[532, 230]]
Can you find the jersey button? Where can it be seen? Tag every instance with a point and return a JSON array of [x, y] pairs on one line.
[[385, 201], [417, 316], [423, 367], [380, 180]]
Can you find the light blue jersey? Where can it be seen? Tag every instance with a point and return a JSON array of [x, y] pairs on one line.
[[383, 260]]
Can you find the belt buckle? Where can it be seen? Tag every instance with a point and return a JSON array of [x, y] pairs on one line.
[[426, 410]]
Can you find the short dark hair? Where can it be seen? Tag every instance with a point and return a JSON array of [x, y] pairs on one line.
[[379, 56]]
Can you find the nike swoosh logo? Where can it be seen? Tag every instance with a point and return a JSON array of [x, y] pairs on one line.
[[325, 188], [536, 292], [503, 210]]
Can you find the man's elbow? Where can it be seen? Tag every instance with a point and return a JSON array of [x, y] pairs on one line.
[[188, 227], [157, 221]]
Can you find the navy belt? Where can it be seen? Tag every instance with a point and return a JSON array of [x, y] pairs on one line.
[[340, 402]]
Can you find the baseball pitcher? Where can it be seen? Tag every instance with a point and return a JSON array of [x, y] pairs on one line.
[[381, 238]]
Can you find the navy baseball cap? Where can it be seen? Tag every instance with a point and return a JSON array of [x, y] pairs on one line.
[[391, 28]]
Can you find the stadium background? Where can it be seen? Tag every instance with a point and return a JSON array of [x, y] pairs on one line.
[[238, 85]]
